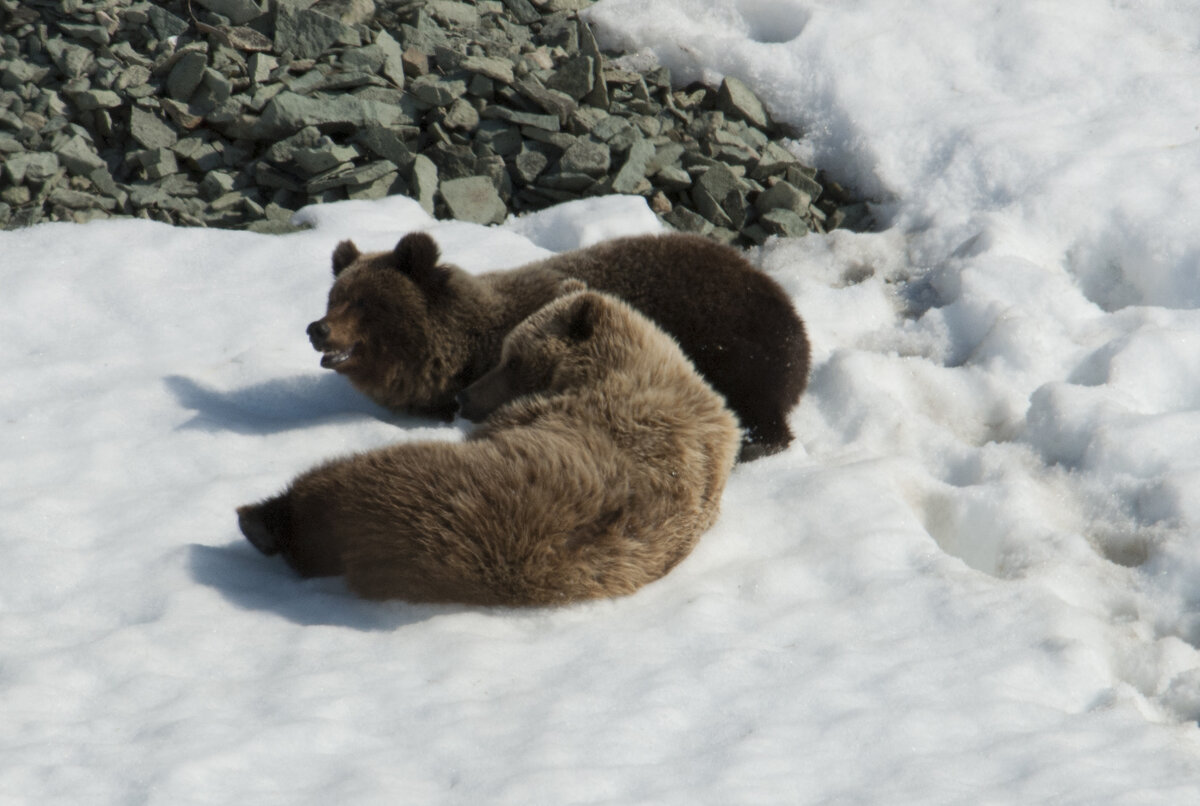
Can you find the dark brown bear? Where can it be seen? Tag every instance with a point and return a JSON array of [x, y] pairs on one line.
[[597, 479], [411, 333]]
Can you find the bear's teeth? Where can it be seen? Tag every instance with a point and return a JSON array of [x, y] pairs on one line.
[[330, 360]]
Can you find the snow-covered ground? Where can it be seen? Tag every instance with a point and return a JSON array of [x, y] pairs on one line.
[[975, 578]]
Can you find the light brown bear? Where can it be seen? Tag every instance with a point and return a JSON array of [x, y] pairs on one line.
[[601, 462], [411, 333]]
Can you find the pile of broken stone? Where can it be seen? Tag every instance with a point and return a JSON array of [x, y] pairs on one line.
[[236, 113]]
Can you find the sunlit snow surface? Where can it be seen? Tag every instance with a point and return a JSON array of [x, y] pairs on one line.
[[975, 578]]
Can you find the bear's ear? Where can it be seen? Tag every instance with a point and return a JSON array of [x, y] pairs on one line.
[[571, 286], [343, 255], [582, 319], [417, 256]]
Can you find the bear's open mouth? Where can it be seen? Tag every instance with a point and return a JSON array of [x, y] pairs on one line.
[[332, 359]]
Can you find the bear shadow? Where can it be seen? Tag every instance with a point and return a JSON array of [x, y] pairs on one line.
[[280, 404], [250, 581]]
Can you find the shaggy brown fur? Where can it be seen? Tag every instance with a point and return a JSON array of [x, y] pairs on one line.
[[597, 483], [410, 333]]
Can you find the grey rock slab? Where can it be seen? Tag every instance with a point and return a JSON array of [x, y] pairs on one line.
[[238, 11], [79, 156], [586, 157], [146, 128], [393, 58], [158, 163], [529, 164], [576, 77], [461, 115], [523, 11], [72, 60], [16, 74], [685, 220], [324, 156], [347, 12], [387, 144], [32, 166], [548, 123], [719, 196], [434, 90], [631, 178], [288, 112], [307, 34], [672, 178], [784, 223], [783, 195], [164, 23], [215, 184], [498, 138], [588, 46], [553, 101], [186, 75], [91, 100], [423, 179], [454, 14], [737, 100], [475, 199], [496, 69]]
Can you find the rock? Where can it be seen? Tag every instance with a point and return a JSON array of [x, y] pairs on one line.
[[461, 116], [495, 69], [92, 100], [324, 156], [434, 90], [552, 101], [215, 184], [631, 178], [529, 164], [719, 196], [387, 144], [453, 14], [423, 179], [347, 12], [238, 11], [474, 199], [307, 33], [574, 77], [737, 100], [78, 156], [164, 23], [72, 61], [30, 167], [158, 162], [783, 195], [186, 75], [288, 112], [586, 157], [393, 67], [149, 131], [545, 122], [783, 222]]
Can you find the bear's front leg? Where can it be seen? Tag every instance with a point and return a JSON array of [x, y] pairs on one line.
[[267, 525], [308, 543]]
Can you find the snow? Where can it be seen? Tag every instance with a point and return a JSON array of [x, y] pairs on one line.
[[974, 578]]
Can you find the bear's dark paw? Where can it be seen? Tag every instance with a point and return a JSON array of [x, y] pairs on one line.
[[264, 524]]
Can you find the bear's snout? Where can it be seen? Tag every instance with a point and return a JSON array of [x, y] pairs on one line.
[[318, 334]]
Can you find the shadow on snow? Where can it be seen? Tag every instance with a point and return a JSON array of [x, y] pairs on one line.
[[280, 404], [251, 581]]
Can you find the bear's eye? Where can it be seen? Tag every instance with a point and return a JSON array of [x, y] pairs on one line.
[[513, 364]]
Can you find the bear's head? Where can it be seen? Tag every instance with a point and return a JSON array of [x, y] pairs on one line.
[[574, 340], [394, 324]]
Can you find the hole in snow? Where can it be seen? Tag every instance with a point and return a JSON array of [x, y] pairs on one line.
[[770, 21]]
